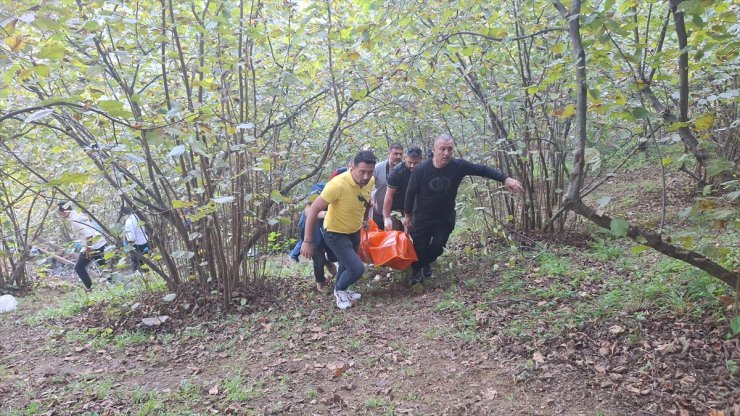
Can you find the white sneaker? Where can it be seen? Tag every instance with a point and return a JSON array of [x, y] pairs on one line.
[[353, 296], [342, 297]]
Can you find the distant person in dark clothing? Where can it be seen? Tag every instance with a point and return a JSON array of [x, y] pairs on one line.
[[136, 236], [89, 240], [430, 201], [382, 170], [314, 190], [322, 256], [398, 181]]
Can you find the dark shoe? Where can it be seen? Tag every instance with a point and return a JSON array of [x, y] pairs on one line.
[[427, 271], [415, 278]]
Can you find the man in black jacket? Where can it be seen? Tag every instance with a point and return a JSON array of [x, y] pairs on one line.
[[430, 201], [398, 181]]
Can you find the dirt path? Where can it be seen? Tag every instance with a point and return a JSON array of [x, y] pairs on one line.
[[394, 353]]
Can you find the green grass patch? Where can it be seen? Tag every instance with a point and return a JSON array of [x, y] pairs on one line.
[[238, 391], [117, 296]]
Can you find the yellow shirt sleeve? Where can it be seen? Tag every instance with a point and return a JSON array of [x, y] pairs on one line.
[[332, 191]]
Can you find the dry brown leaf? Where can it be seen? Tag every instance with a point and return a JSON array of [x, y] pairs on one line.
[[616, 329], [538, 357], [213, 391], [15, 43]]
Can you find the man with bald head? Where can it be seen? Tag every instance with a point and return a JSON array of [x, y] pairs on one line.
[[430, 201]]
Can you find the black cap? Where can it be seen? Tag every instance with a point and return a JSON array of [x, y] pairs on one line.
[[65, 206]]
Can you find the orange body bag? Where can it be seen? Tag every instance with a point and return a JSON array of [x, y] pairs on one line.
[[386, 248]]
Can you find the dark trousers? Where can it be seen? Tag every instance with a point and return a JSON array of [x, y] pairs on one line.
[[430, 239], [136, 256], [321, 255], [83, 261], [345, 248]]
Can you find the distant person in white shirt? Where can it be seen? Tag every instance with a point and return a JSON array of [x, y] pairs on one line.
[[136, 236], [90, 241]]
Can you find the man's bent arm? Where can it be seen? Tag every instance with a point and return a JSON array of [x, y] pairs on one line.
[[387, 203], [483, 170]]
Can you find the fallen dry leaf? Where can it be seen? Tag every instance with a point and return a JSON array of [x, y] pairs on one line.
[[616, 329]]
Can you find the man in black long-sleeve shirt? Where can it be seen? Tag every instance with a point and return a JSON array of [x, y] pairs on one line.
[[430, 201]]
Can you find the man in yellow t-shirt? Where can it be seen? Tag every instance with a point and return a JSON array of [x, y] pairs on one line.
[[347, 198]]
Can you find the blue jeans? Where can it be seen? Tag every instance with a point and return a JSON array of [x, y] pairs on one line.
[[301, 229], [345, 246], [296, 250]]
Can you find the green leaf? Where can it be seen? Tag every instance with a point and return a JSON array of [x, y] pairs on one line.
[[358, 95], [717, 166], [468, 51], [42, 70], [639, 249], [735, 325], [52, 52], [68, 178], [723, 214], [619, 227], [677, 125], [277, 197], [110, 105], [178, 204], [640, 112], [154, 137], [711, 251]]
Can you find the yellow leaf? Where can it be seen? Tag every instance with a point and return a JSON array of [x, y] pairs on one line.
[[569, 111], [177, 204], [704, 122], [15, 43]]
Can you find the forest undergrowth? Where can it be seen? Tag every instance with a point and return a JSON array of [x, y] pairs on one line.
[[565, 324]]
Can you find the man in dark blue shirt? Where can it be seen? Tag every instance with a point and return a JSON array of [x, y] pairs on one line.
[[398, 181], [430, 201]]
